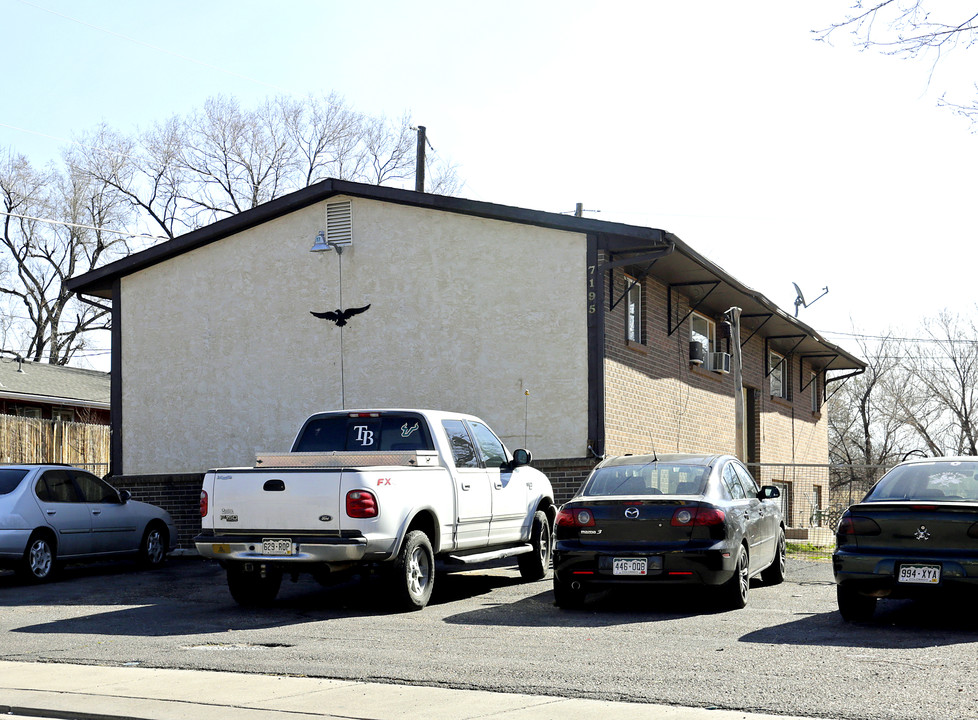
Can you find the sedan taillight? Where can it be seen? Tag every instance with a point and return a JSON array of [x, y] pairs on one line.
[[575, 517], [361, 504], [698, 516], [857, 525], [203, 503]]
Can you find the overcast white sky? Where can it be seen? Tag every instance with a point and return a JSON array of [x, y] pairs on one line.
[[778, 157]]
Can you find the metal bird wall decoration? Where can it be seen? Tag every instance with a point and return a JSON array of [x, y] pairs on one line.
[[340, 316]]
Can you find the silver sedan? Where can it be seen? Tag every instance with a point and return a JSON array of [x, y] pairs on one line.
[[52, 514]]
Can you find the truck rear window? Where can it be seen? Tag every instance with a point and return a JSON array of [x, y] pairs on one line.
[[339, 433]]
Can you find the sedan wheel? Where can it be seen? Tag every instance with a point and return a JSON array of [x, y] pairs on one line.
[[733, 593], [774, 575], [39, 558], [152, 551], [854, 607]]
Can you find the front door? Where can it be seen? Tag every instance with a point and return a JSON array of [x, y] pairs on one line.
[[114, 527], [509, 492], [66, 512]]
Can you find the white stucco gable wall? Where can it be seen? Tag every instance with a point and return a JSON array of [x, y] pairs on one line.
[[221, 358]]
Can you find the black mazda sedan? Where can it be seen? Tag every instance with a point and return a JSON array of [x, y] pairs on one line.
[[915, 534], [668, 520]]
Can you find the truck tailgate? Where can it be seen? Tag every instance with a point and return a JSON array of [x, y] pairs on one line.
[[274, 500]]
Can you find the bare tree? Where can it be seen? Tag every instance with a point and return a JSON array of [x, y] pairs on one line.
[[146, 172], [118, 193], [939, 401], [53, 228], [912, 29], [866, 433]]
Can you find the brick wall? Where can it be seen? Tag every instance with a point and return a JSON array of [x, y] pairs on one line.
[[179, 495], [566, 476], [654, 399]]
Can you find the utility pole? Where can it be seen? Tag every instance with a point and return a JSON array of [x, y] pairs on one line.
[[738, 378], [419, 163]]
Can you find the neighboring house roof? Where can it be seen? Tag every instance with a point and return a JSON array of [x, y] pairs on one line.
[[53, 384], [679, 265]]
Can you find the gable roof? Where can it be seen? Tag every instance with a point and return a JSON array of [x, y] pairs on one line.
[[679, 266], [53, 384]]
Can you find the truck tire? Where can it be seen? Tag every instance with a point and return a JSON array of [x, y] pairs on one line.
[[414, 572], [254, 588], [535, 565]]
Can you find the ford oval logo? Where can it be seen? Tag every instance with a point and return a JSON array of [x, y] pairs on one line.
[[325, 518], [631, 513]]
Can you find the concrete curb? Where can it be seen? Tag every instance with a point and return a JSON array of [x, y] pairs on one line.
[[90, 692]]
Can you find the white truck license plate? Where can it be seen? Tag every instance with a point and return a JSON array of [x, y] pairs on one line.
[[276, 546], [920, 574], [630, 566]]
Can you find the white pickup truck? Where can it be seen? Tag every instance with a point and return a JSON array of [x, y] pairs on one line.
[[377, 489]]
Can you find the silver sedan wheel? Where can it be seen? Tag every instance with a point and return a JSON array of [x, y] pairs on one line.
[[154, 549], [40, 558]]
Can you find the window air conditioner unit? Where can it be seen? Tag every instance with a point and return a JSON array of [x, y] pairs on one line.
[[697, 355], [720, 362]]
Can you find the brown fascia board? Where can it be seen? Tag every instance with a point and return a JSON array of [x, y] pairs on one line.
[[99, 282], [757, 297]]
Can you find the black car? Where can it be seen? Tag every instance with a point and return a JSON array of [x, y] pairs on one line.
[[668, 520], [915, 534]]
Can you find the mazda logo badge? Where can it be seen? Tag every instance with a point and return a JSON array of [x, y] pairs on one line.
[[631, 513]]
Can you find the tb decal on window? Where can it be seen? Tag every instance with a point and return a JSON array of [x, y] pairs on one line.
[[364, 435]]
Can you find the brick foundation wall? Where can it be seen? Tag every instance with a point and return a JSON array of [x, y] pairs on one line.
[[179, 495], [565, 475]]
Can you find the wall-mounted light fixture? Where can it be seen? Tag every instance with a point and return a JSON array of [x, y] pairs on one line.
[[320, 244]]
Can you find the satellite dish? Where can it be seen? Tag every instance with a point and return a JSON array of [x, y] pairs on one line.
[[800, 299]]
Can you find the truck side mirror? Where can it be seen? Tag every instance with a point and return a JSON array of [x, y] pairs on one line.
[[521, 457]]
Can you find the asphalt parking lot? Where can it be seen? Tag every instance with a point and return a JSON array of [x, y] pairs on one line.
[[789, 652]]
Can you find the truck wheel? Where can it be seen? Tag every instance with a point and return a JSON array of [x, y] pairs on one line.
[[566, 597], [254, 588], [414, 571], [534, 565]]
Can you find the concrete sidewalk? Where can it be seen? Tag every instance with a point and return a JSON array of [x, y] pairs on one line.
[[92, 692]]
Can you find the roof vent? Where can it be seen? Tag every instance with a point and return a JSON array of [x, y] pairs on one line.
[[339, 223]]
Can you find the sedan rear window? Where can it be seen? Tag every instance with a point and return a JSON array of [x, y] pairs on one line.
[[10, 479], [942, 481], [651, 479]]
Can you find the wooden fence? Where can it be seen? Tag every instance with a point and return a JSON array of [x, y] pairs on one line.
[[27, 440]]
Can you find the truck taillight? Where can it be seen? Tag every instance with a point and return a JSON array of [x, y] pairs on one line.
[[361, 504], [203, 503]]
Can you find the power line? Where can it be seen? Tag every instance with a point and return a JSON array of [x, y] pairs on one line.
[[85, 227]]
